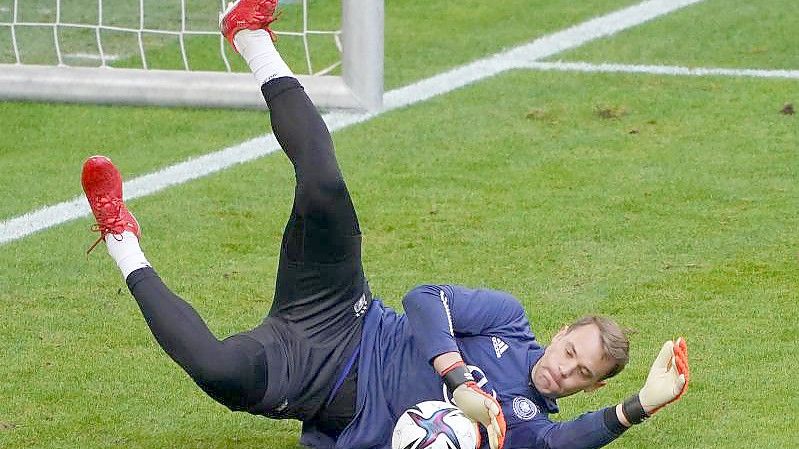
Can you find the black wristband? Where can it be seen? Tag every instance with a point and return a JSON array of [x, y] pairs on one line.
[[633, 410], [457, 376]]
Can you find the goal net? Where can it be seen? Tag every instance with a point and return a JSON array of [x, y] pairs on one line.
[[170, 52]]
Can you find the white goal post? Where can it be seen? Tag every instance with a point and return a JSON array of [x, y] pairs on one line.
[[360, 85]]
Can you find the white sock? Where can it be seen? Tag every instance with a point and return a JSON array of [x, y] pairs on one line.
[[125, 250], [259, 51]]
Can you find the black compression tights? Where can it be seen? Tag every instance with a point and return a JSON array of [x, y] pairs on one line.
[[233, 371]]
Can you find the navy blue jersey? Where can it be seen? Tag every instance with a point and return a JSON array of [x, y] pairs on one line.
[[491, 331]]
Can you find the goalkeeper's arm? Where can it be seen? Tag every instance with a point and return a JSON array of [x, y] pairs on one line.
[[667, 381], [435, 315]]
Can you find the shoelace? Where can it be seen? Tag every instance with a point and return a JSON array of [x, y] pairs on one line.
[[109, 220]]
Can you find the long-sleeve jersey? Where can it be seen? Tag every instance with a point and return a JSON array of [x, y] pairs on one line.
[[490, 330]]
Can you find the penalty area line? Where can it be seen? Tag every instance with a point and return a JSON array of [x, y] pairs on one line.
[[545, 46], [659, 70]]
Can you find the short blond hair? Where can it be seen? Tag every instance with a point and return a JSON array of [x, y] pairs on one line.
[[614, 340]]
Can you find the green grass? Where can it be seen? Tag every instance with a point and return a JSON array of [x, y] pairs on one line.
[[667, 230], [714, 33], [678, 215], [43, 143], [422, 38], [31, 133]]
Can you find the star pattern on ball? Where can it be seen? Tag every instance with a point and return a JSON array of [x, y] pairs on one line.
[[434, 426]]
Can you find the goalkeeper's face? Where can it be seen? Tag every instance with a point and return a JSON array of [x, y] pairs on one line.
[[574, 361]]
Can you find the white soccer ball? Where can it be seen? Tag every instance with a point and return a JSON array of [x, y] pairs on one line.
[[434, 425]]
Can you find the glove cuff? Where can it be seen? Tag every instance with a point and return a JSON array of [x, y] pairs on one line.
[[612, 421], [456, 375], [633, 410]]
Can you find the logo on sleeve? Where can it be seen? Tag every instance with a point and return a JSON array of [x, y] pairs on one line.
[[499, 346], [524, 408]]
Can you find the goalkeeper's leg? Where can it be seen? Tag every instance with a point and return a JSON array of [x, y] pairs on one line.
[[320, 278], [322, 230], [232, 371], [321, 291]]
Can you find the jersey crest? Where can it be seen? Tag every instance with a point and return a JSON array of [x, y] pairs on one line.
[[524, 408]]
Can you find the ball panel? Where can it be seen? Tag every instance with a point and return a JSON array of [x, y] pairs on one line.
[[434, 425]]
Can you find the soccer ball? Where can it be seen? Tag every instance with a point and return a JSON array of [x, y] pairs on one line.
[[434, 425]]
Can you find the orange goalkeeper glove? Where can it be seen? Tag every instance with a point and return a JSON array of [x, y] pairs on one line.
[[667, 381]]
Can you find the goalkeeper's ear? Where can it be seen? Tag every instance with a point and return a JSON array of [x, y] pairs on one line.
[[596, 386]]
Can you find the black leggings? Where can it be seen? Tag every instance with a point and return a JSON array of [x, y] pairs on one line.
[[232, 371], [319, 274]]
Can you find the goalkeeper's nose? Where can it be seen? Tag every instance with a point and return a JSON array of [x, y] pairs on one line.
[[566, 369]]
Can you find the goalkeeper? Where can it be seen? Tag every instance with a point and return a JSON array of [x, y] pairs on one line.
[[330, 355]]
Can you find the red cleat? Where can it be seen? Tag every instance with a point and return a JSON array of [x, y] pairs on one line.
[[247, 15], [102, 184]]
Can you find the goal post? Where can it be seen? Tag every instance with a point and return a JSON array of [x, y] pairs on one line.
[[358, 86]]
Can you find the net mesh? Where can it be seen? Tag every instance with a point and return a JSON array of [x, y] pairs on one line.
[[159, 34]]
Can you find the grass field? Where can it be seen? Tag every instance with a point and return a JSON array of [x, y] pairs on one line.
[[670, 203]]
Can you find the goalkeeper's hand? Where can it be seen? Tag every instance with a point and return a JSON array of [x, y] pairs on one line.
[[476, 404], [668, 378]]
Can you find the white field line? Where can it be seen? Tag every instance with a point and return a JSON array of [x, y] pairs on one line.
[[518, 57], [660, 70], [91, 56]]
